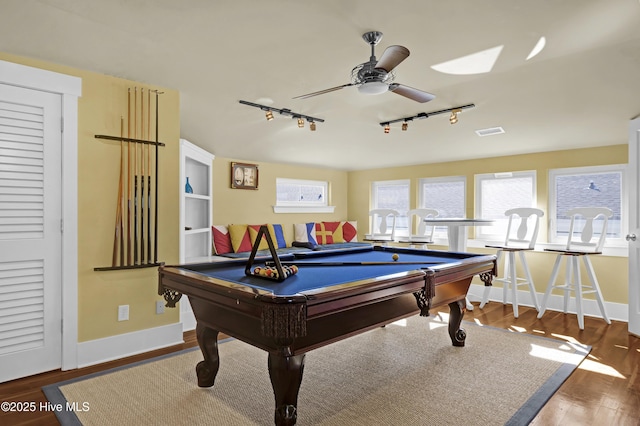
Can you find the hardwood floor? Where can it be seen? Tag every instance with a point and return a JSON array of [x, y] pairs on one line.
[[605, 390]]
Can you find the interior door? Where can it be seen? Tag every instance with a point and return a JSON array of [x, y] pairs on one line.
[[30, 231], [634, 226]]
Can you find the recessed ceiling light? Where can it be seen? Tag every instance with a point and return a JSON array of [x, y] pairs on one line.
[[490, 131]]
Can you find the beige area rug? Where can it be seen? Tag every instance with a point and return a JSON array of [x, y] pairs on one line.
[[407, 373]]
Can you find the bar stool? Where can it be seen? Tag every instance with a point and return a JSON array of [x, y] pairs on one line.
[[518, 240], [589, 242], [381, 231], [424, 232]]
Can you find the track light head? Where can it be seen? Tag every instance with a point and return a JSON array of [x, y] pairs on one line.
[[453, 119], [387, 128], [284, 111], [312, 126]]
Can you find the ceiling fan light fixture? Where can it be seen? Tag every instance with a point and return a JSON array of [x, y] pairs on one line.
[[373, 88]]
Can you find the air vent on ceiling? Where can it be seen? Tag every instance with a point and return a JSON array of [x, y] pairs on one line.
[[490, 131]]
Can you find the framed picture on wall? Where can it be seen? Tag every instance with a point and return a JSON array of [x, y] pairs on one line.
[[244, 176]]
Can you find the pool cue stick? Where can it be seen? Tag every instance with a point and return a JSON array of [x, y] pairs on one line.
[[142, 178], [129, 177], [149, 177], [311, 263], [155, 224], [117, 238], [135, 177], [121, 200]]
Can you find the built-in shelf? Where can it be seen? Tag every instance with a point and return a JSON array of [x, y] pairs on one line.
[[197, 196], [195, 213]]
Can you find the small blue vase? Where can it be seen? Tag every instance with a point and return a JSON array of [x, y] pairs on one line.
[[187, 188]]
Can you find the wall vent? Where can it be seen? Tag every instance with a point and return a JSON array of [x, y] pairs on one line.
[[490, 131]]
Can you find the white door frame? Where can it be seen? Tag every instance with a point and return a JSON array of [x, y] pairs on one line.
[[70, 89], [634, 226]]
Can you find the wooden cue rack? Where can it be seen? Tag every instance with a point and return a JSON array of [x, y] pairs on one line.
[[135, 241]]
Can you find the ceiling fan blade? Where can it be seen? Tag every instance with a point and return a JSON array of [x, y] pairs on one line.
[[411, 93], [322, 92], [392, 57]]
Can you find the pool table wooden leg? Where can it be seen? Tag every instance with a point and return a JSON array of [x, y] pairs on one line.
[[207, 369], [286, 375], [457, 334]]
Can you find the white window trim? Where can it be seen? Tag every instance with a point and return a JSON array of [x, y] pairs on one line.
[[481, 232], [421, 181], [612, 246], [400, 232], [439, 238], [304, 207], [374, 200]]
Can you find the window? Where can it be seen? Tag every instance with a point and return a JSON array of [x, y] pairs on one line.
[[601, 186], [445, 194], [297, 195], [499, 192], [392, 194]]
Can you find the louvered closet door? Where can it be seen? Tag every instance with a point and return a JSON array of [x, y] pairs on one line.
[[30, 232]]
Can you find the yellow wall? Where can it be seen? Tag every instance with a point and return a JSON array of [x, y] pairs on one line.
[[611, 271], [103, 102], [256, 206]]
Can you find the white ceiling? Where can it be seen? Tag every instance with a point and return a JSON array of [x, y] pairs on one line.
[[580, 91]]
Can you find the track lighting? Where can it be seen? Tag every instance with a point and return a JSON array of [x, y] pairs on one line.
[[285, 111], [453, 118]]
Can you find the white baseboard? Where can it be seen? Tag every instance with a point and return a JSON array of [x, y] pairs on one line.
[[124, 345], [188, 320], [616, 311]]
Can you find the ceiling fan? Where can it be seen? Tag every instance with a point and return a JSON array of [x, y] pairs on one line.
[[376, 76]]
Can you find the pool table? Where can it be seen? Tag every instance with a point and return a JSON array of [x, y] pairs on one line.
[[334, 295]]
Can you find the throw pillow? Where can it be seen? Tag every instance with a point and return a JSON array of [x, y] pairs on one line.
[[277, 235], [329, 232], [221, 240], [253, 234], [240, 240], [305, 233], [350, 231]]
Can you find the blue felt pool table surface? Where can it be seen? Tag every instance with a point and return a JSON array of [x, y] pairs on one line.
[[312, 278]]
